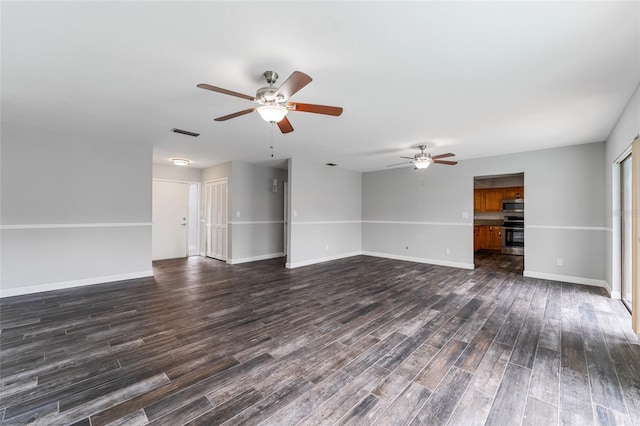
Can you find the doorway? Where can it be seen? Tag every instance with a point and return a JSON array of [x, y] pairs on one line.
[[498, 222], [175, 219], [217, 208], [626, 233]]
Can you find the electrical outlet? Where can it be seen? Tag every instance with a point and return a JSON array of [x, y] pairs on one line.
[[464, 215], [238, 214], [447, 252], [326, 247], [406, 247], [559, 262]]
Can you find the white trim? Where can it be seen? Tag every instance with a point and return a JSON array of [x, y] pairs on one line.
[[176, 180], [74, 225], [421, 260], [569, 227], [616, 295], [568, 279], [390, 222], [398, 222], [327, 222], [75, 283], [291, 265], [256, 222], [255, 258]]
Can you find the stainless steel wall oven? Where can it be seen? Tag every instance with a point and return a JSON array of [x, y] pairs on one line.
[[513, 231]]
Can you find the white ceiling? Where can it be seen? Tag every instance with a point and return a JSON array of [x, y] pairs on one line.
[[472, 78]]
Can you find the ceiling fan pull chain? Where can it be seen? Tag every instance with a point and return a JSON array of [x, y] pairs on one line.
[[271, 146]]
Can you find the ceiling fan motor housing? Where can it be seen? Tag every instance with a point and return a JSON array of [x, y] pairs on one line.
[[266, 95], [271, 77]]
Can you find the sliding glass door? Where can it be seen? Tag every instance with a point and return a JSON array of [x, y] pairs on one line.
[[627, 236]]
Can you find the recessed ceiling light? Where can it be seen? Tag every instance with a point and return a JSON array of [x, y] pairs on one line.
[[180, 161]]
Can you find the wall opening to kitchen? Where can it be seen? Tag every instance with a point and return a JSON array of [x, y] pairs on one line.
[[498, 222]]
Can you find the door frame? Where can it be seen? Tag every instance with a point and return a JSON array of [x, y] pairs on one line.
[[197, 208]]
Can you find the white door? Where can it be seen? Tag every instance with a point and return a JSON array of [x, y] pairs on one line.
[[170, 210], [217, 222]]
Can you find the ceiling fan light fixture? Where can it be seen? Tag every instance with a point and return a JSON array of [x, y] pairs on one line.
[[180, 161], [421, 165], [272, 113]]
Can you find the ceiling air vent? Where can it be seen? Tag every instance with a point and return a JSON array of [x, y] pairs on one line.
[[331, 164], [185, 132]]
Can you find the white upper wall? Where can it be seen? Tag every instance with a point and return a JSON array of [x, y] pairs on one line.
[[177, 173]]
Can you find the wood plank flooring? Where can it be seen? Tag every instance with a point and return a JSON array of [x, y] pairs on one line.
[[356, 341]]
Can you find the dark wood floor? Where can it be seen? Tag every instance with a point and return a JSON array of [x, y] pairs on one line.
[[356, 341]]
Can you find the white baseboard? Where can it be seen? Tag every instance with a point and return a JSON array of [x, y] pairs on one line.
[[19, 291], [421, 260], [290, 265], [569, 279], [254, 258]]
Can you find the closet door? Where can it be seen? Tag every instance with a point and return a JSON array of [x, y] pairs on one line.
[[216, 193]]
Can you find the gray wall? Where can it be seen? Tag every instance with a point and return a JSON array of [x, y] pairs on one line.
[[619, 141], [417, 215], [256, 212], [565, 198], [74, 210], [325, 213], [257, 233]]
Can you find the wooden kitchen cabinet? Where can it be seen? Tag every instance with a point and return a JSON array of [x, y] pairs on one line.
[[495, 239], [493, 200], [514, 193], [488, 200], [478, 200], [487, 238]]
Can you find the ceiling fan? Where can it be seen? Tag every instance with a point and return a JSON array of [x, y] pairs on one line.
[[423, 160], [273, 101]]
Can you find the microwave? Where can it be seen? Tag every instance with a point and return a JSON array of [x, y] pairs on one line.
[[515, 205]]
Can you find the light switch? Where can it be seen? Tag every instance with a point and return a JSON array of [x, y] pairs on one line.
[[295, 213], [238, 213]]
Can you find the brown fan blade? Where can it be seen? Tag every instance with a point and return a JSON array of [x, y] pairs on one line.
[[226, 92], [295, 82], [235, 114], [450, 163], [285, 126], [397, 164], [317, 109], [448, 154]]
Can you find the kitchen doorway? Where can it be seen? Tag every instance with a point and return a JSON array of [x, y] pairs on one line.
[[499, 222]]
